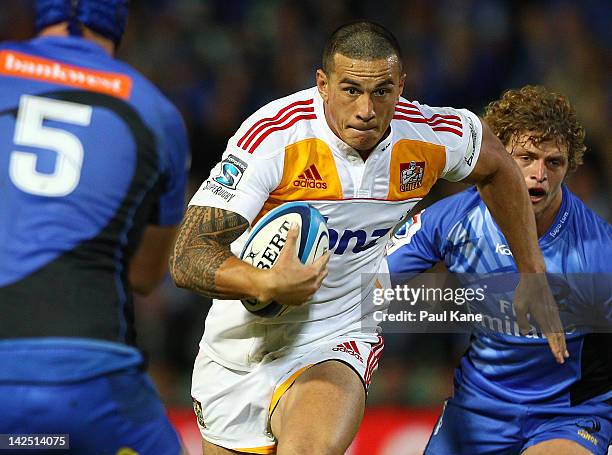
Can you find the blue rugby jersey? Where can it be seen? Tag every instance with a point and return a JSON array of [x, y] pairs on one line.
[[90, 154], [460, 232]]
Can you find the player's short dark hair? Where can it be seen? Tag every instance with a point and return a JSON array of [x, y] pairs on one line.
[[362, 40], [548, 115]]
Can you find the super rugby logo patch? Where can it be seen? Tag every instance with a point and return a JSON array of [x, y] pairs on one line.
[[411, 175], [230, 172]]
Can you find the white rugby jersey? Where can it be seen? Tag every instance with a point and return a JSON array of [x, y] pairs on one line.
[[285, 152]]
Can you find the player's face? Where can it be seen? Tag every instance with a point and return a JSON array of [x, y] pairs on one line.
[[360, 98], [544, 167]]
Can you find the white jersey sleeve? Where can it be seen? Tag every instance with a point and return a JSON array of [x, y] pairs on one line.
[[460, 131], [242, 181]]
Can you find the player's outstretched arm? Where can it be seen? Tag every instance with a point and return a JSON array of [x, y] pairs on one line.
[[503, 190], [202, 262]]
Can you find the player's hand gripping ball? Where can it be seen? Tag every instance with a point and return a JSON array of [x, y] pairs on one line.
[[268, 236]]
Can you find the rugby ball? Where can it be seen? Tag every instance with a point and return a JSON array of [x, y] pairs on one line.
[[268, 236]]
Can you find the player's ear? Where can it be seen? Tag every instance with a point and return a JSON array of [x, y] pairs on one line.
[[322, 84]]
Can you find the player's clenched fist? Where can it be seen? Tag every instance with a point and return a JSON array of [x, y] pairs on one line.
[[289, 282]]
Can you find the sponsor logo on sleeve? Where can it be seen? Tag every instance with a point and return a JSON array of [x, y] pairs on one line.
[[218, 190], [411, 175], [230, 172], [471, 148]]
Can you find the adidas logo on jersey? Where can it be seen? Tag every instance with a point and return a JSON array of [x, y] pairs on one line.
[[310, 178], [350, 347]]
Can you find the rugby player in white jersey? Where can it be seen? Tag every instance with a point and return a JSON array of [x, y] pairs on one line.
[[363, 157]]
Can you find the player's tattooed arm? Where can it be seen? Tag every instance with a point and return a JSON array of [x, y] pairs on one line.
[[202, 247]]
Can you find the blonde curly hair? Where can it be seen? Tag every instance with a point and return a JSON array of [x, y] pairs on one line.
[[544, 114]]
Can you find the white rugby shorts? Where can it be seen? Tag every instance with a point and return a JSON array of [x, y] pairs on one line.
[[233, 408]]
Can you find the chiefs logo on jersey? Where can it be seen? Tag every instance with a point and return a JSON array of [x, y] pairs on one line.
[[411, 175]]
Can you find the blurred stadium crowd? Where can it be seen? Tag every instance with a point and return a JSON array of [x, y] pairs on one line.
[[219, 60]]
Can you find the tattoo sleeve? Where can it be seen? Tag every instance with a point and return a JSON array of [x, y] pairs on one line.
[[202, 246]]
